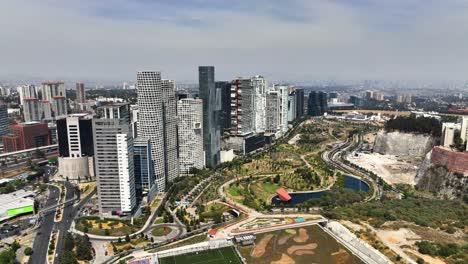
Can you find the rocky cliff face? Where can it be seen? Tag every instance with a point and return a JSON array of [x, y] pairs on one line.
[[444, 173], [402, 144]]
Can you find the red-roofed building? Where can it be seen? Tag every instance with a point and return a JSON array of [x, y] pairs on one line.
[[212, 232], [283, 195]]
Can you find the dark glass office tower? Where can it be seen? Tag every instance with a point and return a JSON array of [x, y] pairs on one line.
[[225, 119], [299, 102], [317, 103], [211, 114]]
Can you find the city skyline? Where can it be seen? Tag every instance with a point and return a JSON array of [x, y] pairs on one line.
[[403, 40]]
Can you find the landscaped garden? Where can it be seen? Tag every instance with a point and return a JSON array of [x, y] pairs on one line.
[[161, 231], [106, 227]]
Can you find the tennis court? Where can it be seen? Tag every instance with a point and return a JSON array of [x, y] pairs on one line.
[[226, 255]]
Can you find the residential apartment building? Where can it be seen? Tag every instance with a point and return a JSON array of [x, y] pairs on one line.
[[113, 160], [190, 115]]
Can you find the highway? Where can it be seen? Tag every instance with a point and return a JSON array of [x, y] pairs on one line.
[[41, 242]]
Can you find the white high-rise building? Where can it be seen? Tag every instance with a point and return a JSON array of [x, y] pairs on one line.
[[260, 86], [26, 91], [272, 112], [170, 130], [51, 89], [283, 95], [190, 128], [464, 130], [448, 133], [113, 160], [158, 122], [31, 109]]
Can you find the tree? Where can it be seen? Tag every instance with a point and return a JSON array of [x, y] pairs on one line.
[[69, 242], [127, 238], [68, 258], [107, 232], [83, 248], [8, 256], [28, 251], [15, 246]]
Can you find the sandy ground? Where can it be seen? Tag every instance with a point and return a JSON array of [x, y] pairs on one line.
[[393, 169], [401, 241]]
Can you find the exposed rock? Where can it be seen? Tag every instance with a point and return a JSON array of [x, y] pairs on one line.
[[402, 144], [444, 173]]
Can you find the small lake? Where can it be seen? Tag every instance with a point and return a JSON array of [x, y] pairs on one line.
[[297, 198]]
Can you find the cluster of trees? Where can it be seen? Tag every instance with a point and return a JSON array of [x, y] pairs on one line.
[[444, 214], [8, 256], [76, 248], [189, 221], [12, 186], [336, 197], [308, 176], [423, 125], [460, 253]]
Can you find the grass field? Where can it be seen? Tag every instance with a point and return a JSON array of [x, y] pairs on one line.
[[216, 256]]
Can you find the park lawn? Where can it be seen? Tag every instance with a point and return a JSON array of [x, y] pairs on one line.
[[159, 220], [161, 231], [214, 209], [235, 192], [225, 255], [155, 203], [115, 227], [139, 242], [263, 190]]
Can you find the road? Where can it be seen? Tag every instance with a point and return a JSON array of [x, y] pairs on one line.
[[69, 213], [41, 242]]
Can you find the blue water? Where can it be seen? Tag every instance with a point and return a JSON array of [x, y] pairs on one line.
[[350, 183]]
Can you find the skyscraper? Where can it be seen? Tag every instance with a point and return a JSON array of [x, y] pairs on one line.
[[4, 124], [272, 112], [26, 91], [51, 89], [190, 114], [283, 95], [259, 85], [31, 109], [150, 122], [113, 153], [80, 93], [170, 130], [158, 122], [59, 106], [318, 103], [242, 107], [292, 106], [225, 117], [299, 102], [211, 114]]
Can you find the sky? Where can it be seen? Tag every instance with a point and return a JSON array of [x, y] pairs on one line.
[[298, 40]]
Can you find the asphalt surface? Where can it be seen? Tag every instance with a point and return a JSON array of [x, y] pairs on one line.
[[67, 218], [41, 242]]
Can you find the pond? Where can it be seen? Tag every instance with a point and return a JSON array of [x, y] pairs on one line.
[[300, 246], [300, 197]]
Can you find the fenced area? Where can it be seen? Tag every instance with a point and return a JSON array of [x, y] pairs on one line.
[[210, 252]]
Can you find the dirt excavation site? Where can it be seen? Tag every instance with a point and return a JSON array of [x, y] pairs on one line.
[[393, 169]]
